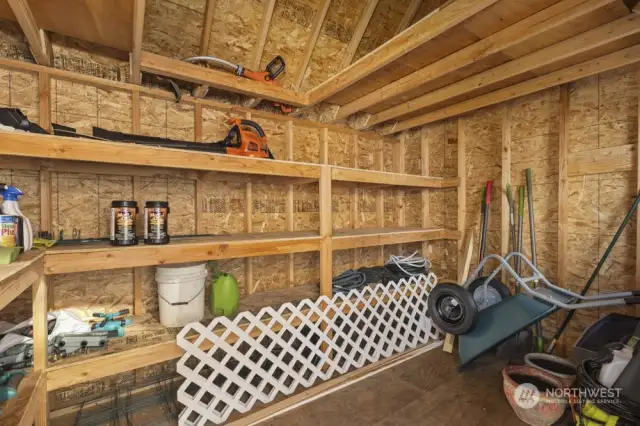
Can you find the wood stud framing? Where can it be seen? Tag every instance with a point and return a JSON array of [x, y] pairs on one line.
[[505, 179], [205, 37], [409, 15], [138, 29], [311, 42], [352, 47], [38, 40], [563, 197]]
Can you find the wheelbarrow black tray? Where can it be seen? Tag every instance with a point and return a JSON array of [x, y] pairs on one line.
[[499, 322]]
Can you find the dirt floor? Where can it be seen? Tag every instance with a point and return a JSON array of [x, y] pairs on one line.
[[427, 390]]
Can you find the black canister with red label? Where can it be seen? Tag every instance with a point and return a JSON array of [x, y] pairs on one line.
[[123, 223], [156, 222]]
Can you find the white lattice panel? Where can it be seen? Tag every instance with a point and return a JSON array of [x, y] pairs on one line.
[[276, 351]]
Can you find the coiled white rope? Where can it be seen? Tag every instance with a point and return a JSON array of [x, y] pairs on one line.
[[414, 263]]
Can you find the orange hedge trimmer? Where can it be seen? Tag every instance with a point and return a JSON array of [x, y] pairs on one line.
[[272, 71]]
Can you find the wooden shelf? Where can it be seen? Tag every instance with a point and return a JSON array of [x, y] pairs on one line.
[[369, 237], [376, 178], [84, 258], [79, 149], [19, 275], [154, 343]]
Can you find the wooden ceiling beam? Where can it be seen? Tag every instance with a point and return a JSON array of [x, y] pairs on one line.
[[520, 32], [445, 17], [36, 37], [181, 70], [572, 47], [205, 37], [258, 50], [358, 33], [621, 58], [311, 42], [136, 45], [408, 16]]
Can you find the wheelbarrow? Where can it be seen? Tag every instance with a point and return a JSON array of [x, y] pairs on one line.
[[453, 309]]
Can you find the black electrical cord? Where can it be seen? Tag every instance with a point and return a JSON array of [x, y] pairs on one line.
[[348, 280], [588, 370]]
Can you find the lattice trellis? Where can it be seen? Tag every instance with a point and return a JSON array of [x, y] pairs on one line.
[[258, 356]]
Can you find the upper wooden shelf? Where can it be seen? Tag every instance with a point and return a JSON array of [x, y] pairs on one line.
[[19, 275], [378, 178], [262, 170], [78, 149], [370, 237], [84, 258]]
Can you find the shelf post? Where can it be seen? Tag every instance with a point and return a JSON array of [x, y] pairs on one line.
[[39, 306], [563, 202], [379, 164], [326, 231], [424, 160], [353, 196], [505, 179], [462, 191], [288, 134]]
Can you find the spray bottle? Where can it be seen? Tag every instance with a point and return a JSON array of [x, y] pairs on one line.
[[10, 206]]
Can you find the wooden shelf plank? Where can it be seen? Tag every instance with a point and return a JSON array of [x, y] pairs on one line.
[[77, 149], [378, 178], [368, 237], [122, 356], [18, 276], [22, 410], [77, 258]]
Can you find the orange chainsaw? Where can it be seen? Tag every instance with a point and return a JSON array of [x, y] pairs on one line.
[[246, 138]]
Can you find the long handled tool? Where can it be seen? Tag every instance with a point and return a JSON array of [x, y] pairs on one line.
[[512, 225], [534, 257], [595, 273], [486, 204], [520, 229]]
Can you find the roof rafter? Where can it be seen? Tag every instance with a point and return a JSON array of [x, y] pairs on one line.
[[36, 36], [356, 38], [311, 42], [408, 16], [598, 65], [258, 49], [444, 18], [205, 36], [136, 45], [548, 19], [572, 47]]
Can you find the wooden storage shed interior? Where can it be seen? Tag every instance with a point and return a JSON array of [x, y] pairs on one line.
[[402, 110]]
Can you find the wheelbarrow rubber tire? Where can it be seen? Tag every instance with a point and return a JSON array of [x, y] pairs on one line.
[[458, 318], [498, 286]]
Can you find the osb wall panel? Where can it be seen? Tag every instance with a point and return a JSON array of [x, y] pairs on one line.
[[173, 28], [384, 23], [234, 30]]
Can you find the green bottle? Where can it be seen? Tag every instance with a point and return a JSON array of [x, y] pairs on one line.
[[225, 296]]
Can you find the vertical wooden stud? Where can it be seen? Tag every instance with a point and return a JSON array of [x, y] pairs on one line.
[[40, 333], [197, 124], [462, 188], [399, 167], [505, 179], [248, 226], [353, 196], [563, 197], [135, 111], [324, 145], [424, 161], [326, 229], [379, 165], [288, 134], [44, 100], [138, 307]]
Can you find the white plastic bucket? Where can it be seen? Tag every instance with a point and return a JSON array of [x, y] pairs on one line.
[[181, 294]]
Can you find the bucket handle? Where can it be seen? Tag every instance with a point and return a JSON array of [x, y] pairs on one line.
[[182, 303]]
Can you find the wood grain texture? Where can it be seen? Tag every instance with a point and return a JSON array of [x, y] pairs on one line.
[[24, 409], [310, 44], [408, 16], [363, 22], [18, 276], [38, 40], [447, 17], [604, 63], [136, 43]]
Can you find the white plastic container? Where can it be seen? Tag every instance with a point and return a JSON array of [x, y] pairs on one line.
[[181, 293], [609, 373]]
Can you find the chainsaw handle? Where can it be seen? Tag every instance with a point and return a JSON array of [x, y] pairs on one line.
[[487, 199], [249, 123]]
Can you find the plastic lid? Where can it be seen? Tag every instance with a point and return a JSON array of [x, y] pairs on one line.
[[161, 204], [123, 203]]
